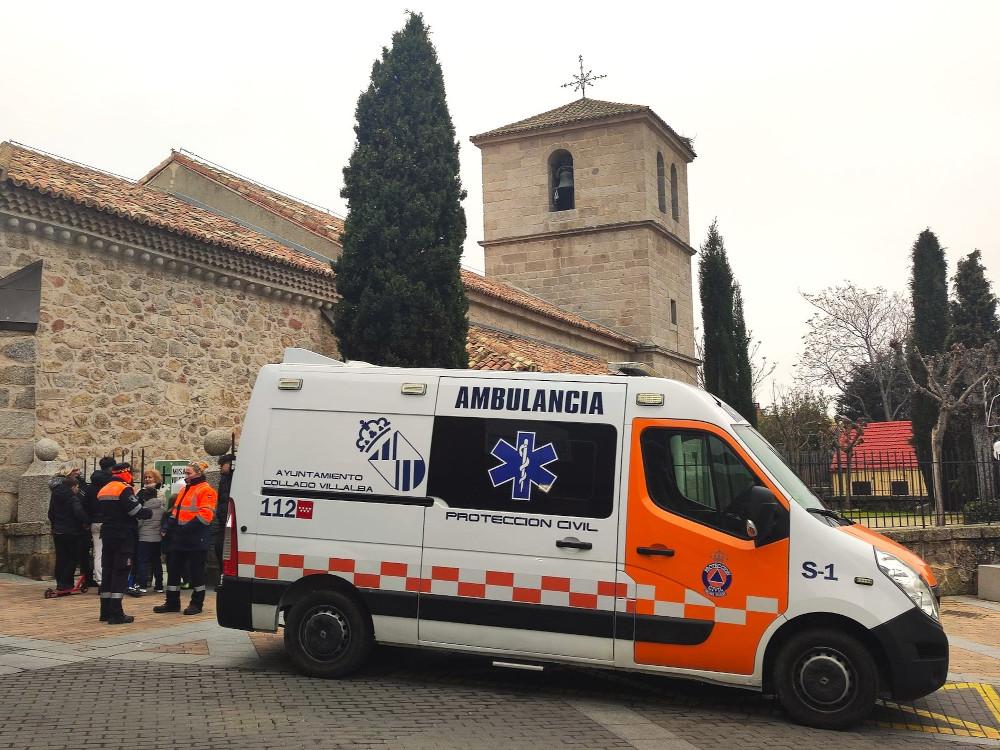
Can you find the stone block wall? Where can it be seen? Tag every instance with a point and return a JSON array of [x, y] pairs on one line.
[[130, 354], [17, 411], [622, 278], [614, 175], [953, 552]]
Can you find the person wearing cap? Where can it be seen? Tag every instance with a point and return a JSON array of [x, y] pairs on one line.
[[118, 512], [222, 509], [189, 522]]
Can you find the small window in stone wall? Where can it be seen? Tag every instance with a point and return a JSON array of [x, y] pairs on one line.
[[900, 487], [661, 183], [675, 206], [561, 184], [673, 311], [861, 488]]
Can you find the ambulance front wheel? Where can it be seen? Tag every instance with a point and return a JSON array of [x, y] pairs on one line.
[[328, 634], [826, 678]]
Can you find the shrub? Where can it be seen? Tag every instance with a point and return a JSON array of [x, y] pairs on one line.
[[982, 511]]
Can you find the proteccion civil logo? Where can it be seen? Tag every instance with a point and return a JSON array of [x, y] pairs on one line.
[[523, 465], [716, 577]]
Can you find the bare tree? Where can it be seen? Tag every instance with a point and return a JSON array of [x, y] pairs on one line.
[[847, 435], [761, 368], [854, 327], [953, 377]]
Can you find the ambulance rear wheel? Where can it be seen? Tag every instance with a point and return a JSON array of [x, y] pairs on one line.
[[826, 678], [327, 634]]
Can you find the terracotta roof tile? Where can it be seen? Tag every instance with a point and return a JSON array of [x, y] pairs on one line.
[[136, 201], [491, 349], [883, 445], [581, 110], [313, 218], [90, 187], [506, 293]]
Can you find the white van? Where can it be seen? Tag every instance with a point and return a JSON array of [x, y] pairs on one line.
[[621, 522]]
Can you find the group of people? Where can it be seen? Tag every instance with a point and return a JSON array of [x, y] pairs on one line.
[[129, 531]]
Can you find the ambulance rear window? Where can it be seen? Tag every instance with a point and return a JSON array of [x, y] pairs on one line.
[[551, 468]]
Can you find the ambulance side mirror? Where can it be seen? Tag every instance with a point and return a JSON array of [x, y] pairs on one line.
[[762, 513]]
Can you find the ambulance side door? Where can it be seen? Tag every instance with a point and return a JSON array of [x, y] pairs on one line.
[[521, 542], [705, 592]]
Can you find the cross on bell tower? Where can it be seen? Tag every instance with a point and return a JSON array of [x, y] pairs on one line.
[[582, 80]]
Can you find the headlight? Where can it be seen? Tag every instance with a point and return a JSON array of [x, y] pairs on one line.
[[909, 581]]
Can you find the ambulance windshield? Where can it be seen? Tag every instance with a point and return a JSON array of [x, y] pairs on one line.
[[772, 460]]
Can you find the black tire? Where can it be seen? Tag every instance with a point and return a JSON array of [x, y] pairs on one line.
[[826, 678], [328, 634]]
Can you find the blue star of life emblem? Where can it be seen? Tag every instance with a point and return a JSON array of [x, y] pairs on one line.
[[523, 465]]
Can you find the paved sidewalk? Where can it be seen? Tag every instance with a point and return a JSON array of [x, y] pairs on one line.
[[55, 655]]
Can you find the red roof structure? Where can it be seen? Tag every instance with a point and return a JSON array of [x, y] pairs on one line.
[[884, 445]]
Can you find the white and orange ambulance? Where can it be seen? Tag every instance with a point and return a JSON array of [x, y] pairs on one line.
[[621, 522]]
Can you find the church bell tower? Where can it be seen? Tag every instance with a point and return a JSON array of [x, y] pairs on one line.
[[586, 207]]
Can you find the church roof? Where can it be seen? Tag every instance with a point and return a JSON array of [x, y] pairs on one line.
[[492, 349], [51, 175], [473, 282], [28, 168], [313, 218], [580, 111]]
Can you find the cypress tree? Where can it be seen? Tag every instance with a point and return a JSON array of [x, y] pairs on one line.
[[743, 397], [726, 355], [973, 324], [931, 326], [974, 309], [399, 277]]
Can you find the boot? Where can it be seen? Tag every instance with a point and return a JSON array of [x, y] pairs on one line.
[[172, 603], [197, 602], [117, 615], [104, 608]]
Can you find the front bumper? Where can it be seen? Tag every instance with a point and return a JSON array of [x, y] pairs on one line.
[[917, 651]]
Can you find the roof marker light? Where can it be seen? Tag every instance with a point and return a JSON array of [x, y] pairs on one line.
[[413, 389], [649, 399], [289, 384]]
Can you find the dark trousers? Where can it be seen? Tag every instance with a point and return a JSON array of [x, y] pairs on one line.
[[86, 563], [189, 565], [67, 554], [149, 561], [116, 561]]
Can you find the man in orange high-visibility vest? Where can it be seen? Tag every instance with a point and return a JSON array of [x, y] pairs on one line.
[[188, 524], [118, 511]]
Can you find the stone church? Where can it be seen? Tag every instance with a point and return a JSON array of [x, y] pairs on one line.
[[136, 313]]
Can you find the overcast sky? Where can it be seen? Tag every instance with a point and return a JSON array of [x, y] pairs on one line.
[[828, 135]]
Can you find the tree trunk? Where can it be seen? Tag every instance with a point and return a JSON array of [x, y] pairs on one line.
[[850, 488], [937, 468], [982, 449]]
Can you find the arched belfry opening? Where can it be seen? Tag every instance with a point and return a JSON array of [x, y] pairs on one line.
[[675, 209], [661, 183], [561, 186]]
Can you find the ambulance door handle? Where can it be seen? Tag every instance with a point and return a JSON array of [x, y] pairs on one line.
[[573, 543], [658, 550]]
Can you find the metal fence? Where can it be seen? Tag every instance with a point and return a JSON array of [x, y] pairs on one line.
[[134, 456], [889, 489]]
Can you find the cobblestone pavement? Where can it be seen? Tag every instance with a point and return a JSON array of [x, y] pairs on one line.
[[165, 674]]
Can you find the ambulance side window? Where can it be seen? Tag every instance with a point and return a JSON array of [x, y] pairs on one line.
[[696, 475], [545, 467]]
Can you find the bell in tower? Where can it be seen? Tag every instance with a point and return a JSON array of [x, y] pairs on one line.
[[561, 169]]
